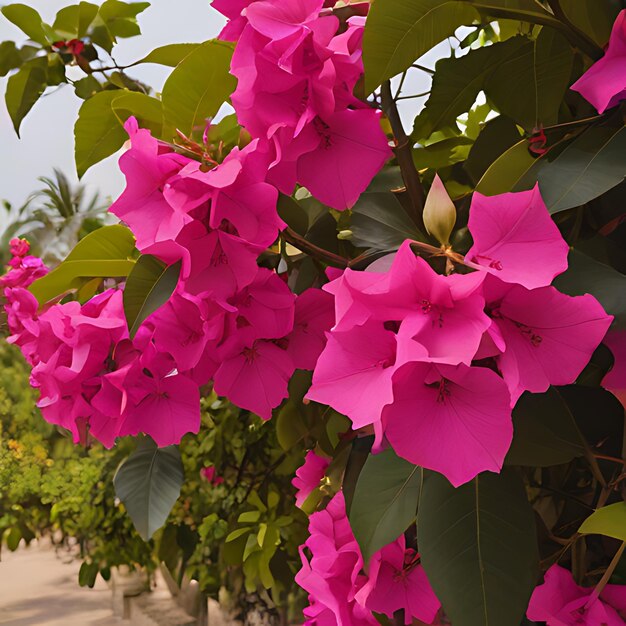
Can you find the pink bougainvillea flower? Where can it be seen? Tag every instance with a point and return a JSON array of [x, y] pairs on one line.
[[314, 317], [463, 425], [208, 473], [332, 575], [604, 84], [267, 305], [309, 475], [559, 601], [615, 380], [352, 149], [233, 10], [354, 372], [398, 581], [515, 238], [19, 247], [549, 336], [166, 408], [277, 19], [253, 373], [142, 205]]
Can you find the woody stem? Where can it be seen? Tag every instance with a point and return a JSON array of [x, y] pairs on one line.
[[607, 576], [298, 241], [404, 156]]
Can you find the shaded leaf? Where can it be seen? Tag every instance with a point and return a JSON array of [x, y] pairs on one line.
[[442, 153], [545, 432], [385, 501], [507, 170], [87, 574], [198, 87], [594, 17], [10, 57], [24, 88], [379, 221], [104, 253], [609, 521], [586, 275], [149, 285], [148, 483], [27, 20], [589, 166], [359, 453], [170, 55], [478, 547], [544, 67]]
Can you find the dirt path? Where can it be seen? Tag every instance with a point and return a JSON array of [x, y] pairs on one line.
[[38, 589]]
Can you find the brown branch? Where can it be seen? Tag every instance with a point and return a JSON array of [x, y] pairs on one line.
[[404, 156], [298, 241]]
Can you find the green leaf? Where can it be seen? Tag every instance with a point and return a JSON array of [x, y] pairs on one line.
[[504, 174], [13, 538], [400, 31], [74, 20], [147, 110], [170, 55], [149, 286], [148, 483], [198, 87], [589, 166], [545, 431], [458, 81], [105, 252], [478, 547], [443, 153], [87, 574], [379, 221], [586, 275], [385, 501], [87, 87], [609, 521], [10, 57], [97, 132], [116, 19], [544, 67], [594, 17], [27, 20], [24, 88]]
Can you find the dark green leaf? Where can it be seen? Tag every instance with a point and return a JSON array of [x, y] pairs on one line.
[[589, 166], [13, 538], [198, 87], [496, 137], [585, 275], [293, 214], [385, 501], [609, 521], [602, 362], [543, 67], [10, 57], [24, 89], [458, 81], [170, 55], [97, 132], [593, 17], [379, 221], [105, 252], [545, 431], [478, 547], [74, 20], [87, 87], [149, 286], [148, 483], [27, 20], [359, 453], [87, 574]]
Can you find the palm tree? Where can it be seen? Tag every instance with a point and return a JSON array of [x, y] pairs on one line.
[[53, 218]]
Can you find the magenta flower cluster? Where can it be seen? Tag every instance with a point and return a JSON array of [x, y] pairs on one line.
[[463, 347]]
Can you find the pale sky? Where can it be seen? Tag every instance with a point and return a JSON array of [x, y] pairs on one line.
[[47, 132]]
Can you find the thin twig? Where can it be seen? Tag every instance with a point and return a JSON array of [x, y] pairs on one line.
[[607, 576], [298, 241]]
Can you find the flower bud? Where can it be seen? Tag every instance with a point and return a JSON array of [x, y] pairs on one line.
[[439, 212]]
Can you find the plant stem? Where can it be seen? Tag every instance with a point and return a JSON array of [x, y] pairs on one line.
[[298, 241], [578, 37], [607, 576], [404, 156]]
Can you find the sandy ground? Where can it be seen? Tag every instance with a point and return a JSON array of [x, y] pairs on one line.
[[37, 588]]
